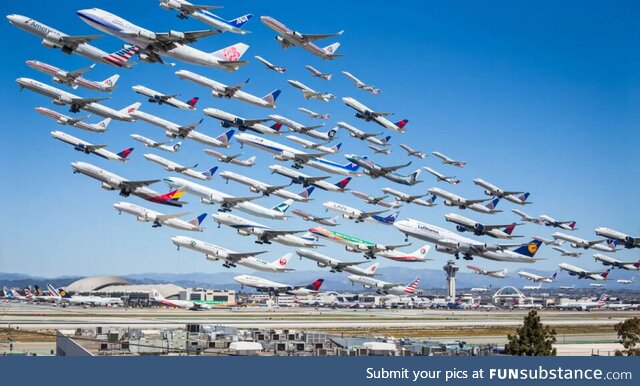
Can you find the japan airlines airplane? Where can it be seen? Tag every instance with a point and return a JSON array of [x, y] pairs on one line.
[[270, 65], [201, 12], [409, 199], [266, 189], [61, 119], [377, 200], [449, 161], [336, 265], [354, 244], [317, 73], [350, 213], [160, 98], [306, 181], [537, 278], [584, 274], [310, 93], [451, 199], [386, 288], [628, 241], [315, 146], [577, 242], [411, 152], [74, 79], [331, 222], [361, 85], [626, 281], [388, 172], [302, 129], [378, 150], [275, 288], [313, 114], [416, 256], [52, 38], [171, 166], [263, 233], [111, 181], [76, 103], [232, 159], [154, 45], [186, 304], [464, 224], [229, 120], [371, 137], [289, 38], [365, 113], [164, 146], [610, 261], [501, 274], [282, 152], [441, 177], [492, 190], [88, 148], [220, 90], [159, 219]]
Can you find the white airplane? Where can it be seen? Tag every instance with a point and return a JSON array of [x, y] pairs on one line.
[[270, 65], [441, 177], [365, 113], [302, 129], [171, 166], [411, 199], [610, 261], [76, 103], [159, 219], [577, 242], [568, 287], [371, 137], [377, 150], [155, 45], [318, 74], [232, 159], [256, 186], [530, 288], [361, 85], [597, 285], [315, 146], [479, 289], [201, 12], [263, 233], [52, 38], [375, 170], [584, 274], [88, 148], [186, 304], [548, 241], [516, 197], [501, 274], [230, 120], [160, 98], [537, 278], [336, 265], [354, 244], [350, 213], [464, 224], [451, 199], [306, 180], [377, 200], [333, 221], [626, 281], [74, 79], [564, 252], [449, 161], [551, 222], [313, 114], [89, 300], [111, 181], [282, 152], [164, 146], [275, 288], [220, 90], [416, 256], [612, 234], [386, 288], [411, 152], [527, 218], [289, 38], [61, 119], [583, 305], [310, 93]]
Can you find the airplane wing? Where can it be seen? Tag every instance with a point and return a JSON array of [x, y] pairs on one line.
[[369, 135], [184, 130], [364, 215], [304, 129], [92, 148], [191, 8], [388, 169], [344, 264], [315, 179], [273, 188], [391, 285], [166, 97], [184, 37], [496, 226], [392, 247], [137, 184], [238, 200], [77, 73], [380, 114], [306, 157], [86, 101], [312, 37], [231, 90], [165, 217], [251, 122], [478, 201], [242, 255], [77, 40], [271, 233]]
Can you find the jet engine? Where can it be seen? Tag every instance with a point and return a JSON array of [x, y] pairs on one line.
[[176, 34], [106, 186], [147, 35], [48, 43], [478, 229]]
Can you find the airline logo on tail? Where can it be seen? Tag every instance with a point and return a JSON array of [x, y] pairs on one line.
[[553, 277], [239, 21], [209, 173], [192, 102], [176, 147], [343, 183], [283, 206], [572, 225], [120, 58], [493, 204], [509, 230], [529, 249], [386, 139], [372, 268], [276, 126], [198, 220], [226, 136], [283, 261], [411, 288], [388, 220], [401, 124], [605, 274], [315, 286], [271, 99], [125, 153], [602, 299], [307, 192], [331, 48]]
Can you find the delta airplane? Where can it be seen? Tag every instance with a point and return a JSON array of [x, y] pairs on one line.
[[464, 224], [318, 74], [551, 222], [361, 85], [282, 152], [331, 222], [220, 90], [307, 130], [201, 12], [354, 244], [306, 181], [610, 261], [626, 281], [289, 38], [154, 45], [336, 265], [441, 177], [159, 219], [628, 241], [582, 305], [260, 187], [229, 120], [371, 137], [89, 148], [171, 166], [416, 256], [315, 146], [584, 274], [270, 65], [232, 159], [386, 288], [350, 213], [501, 274], [377, 150], [409, 199], [74, 79], [61, 119], [313, 114], [492, 190], [365, 113], [374, 170], [111, 181], [310, 93], [451, 199], [164, 146], [377, 200], [411, 152], [52, 38], [186, 304], [160, 98], [577, 242], [449, 161], [564, 252], [275, 288], [263, 233], [537, 278], [61, 98]]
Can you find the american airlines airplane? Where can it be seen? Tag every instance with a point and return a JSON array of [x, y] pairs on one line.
[[627, 240], [176, 167], [62, 119], [350, 213], [201, 12], [411, 199], [230, 120], [610, 261], [74, 79], [583, 273], [315, 146], [270, 65], [464, 224], [386, 288], [289, 38], [154, 96], [306, 180], [441, 177], [492, 190], [537, 278], [164, 146], [365, 113], [266, 189], [371, 137], [380, 200], [159, 219], [310, 93], [360, 84], [318, 74], [498, 274], [275, 288], [313, 114], [232, 159], [302, 129], [88, 148], [336, 265], [451, 199], [449, 161]]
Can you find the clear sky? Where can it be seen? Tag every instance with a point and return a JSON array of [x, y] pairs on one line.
[[536, 96]]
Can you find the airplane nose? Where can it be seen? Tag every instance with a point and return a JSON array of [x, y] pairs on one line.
[[176, 239]]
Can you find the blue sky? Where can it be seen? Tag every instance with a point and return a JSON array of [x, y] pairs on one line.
[[535, 96]]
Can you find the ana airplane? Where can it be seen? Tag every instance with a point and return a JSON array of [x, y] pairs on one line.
[[266, 189], [411, 199], [464, 224], [626, 281], [164, 146], [220, 90], [185, 170], [354, 244], [582, 273], [282, 152], [451, 199], [52, 38], [306, 181], [537, 278], [441, 177], [612, 234], [317, 73], [416, 256], [154, 96], [275, 288], [501, 274], [111, 181], [449, 161], [186, 304], [242, 124], [377, 200], [159, 219], [270, 66], [411, 152], [201, 12], [377, 150], [74, 79], [331, 222], [375, 170], [289, 38], [583, 305], [88, 148], [300, 128], [361, 85], [386, 288], [577, 242], [313, 114], [336, 265], [310, 93], [350, 213], [365, 113], [232, 159], [61, 119], [610, 261], [371, 137], [564, 252], [315, 146]]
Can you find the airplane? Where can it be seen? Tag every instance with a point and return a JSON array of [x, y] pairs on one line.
[[74, 79], [230, 120], [316, 146], [256, 186], [227, 202], [365, 113], [176, 167], [232, 159], [548, 241], [451, 199], [375, 170], [310, 93], [160, 98], [464, 224], [409, 199], [416, 256], [598, 285], [492, 190], [300, 128], [479, 289], [289, 38], [577, 242], [62, 119], [448, 161], [155, 45], [313, 114], [350, 213], [583, 305], [568, 287], [384, 220], [306, 180], [564, 252], [111, 181], [531, 288], [90, 300], [331, 222], [361, 85], [354, 244], [411, 152], [336, 265], [275, 288], [584, 274], [377, 200], [441, 177], [452, 243], [52, 38], [270, 66], [76, 103], [186, 304], [164, 146], [201, 12], [318, 74], [173, 130], [377, 150], [357, 133], [537, 278], [612, 234], [501, 274], [159, 219], [88, 148], [615, 263], [386, 288], [263, 233], [626, 281], [551, 222]]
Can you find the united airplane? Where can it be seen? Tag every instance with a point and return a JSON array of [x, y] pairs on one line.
[[350, 213], [537, 278], [610, 261], [386, 288], [266, 189], [411, 199], [318, 74], [159, 219], [360, 84], [171, 166], [582, 273], [201, 12], [370, 137], [451, 199], [365, 113], [315, 146], [154, 96], [313, 114], [88, 148], [464, 224], [164, 146], [498, 274], [327, 221], [612, 234], [230, 120], [412, 152], [289, 38], [354, 244], [448, 161], [564, 252], [336, 265], [270, 65], [441, 177], [306, 180], [74, 79], [310, 93], [275, 288], [62, 119], [302, 129], [380, 200], [231, 159]]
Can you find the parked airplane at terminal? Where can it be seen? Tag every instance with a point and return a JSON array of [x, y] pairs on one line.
[[449, 161], [441, 177], [232, 159], [164, 146], [154, 96], [310, 93], [610, 261], [159, 219], [498, 274], [88, 148], [583, 305], [270, 65], [61, 119], [317, 73], [74, 79], [176, 167], [386, 288], [367, 114], [275, 288], [289, 38], [201, 12], [626, 240], [583, 273], [336, 265], [360, 84], [464, 224]]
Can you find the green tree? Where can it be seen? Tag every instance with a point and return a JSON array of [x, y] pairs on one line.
[[629, 334], [532, 339]]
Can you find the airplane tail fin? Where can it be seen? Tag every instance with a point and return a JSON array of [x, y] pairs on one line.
[[402, 123], [283, 206], [271, 98], [276, 126], [209, 173], [523, 197], [332, 133], [192, 102], [125, 153], [331, 49], [412, 287], [342, 184], [156, 295], [334, 220], [110, 82], [315, 286], [432, 198], [131, 109], [602, 299], [553, 277], [307, 192], [421, 252], [509, 230], [121, 57], [493, 204], [176, 147], [352, 167], [572, 225], [413, 177], [637, 264], [198, 220], [232, 53], [240, 21], [282, 261], [251, 160], [103, 124], [226, 136], [372, 268], [53, 290], [390, 219], [336, 148], [605, 274], [529, 249], [386, 140]]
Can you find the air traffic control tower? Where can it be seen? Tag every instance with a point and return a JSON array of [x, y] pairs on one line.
[[451, 268]]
